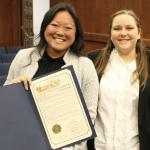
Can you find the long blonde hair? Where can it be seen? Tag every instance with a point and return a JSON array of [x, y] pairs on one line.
[[141, 71]]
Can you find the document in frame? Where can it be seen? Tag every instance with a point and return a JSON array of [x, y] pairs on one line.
[[62, 108]]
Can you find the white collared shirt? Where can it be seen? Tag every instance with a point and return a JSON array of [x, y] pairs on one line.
[[117, 121]]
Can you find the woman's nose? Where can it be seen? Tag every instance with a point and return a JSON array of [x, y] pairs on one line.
[[123, 32], [60, 31]]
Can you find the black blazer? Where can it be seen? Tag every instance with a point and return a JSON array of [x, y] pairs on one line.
[[143, 111]]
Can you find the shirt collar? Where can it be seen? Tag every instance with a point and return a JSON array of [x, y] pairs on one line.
[[115, 57]]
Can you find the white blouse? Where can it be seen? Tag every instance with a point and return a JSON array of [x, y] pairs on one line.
[[117, 121]]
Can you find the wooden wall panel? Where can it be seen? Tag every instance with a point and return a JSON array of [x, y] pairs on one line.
[[95, 14], [145, 20], [14, 15], [9, 26]]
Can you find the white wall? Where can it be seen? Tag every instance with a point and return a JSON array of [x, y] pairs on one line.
[[40, 7]]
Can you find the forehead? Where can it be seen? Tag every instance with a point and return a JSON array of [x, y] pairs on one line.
[[124, 19], [64, 17]]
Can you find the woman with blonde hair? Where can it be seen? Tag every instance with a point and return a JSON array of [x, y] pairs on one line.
[[123, 120]]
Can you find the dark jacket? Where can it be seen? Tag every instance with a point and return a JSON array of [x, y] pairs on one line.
[[143, 110]]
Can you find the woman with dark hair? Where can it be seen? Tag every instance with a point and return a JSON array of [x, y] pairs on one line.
[[61, 44], [123, 120], [78, 44]]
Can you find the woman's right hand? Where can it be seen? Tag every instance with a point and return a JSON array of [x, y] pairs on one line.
[[26, 81]]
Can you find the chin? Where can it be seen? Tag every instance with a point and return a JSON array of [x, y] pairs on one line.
[[125, 47], [59, 48]]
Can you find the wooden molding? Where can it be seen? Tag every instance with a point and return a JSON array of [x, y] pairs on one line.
[[102, 38], [94, 37], [147, 42]]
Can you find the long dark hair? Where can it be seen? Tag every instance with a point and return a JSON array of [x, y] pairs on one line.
[[141, 71], [78, 44]]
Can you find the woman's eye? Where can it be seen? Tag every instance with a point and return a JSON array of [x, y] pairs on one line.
[[116, 29], [53, 24], [68, 28], [130, 28]]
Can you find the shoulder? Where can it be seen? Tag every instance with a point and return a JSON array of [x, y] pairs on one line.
[[93, 54], [26, 51], [85, 61], [87, 67], [75, 59], [27, 55]]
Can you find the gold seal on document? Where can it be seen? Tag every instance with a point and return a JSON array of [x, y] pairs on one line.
[[56, 128]]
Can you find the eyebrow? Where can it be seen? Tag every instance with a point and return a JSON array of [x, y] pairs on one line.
[[121, 25], [73, 24]]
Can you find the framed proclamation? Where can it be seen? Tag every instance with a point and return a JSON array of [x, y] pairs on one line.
[[62, 108], [49, 116]]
